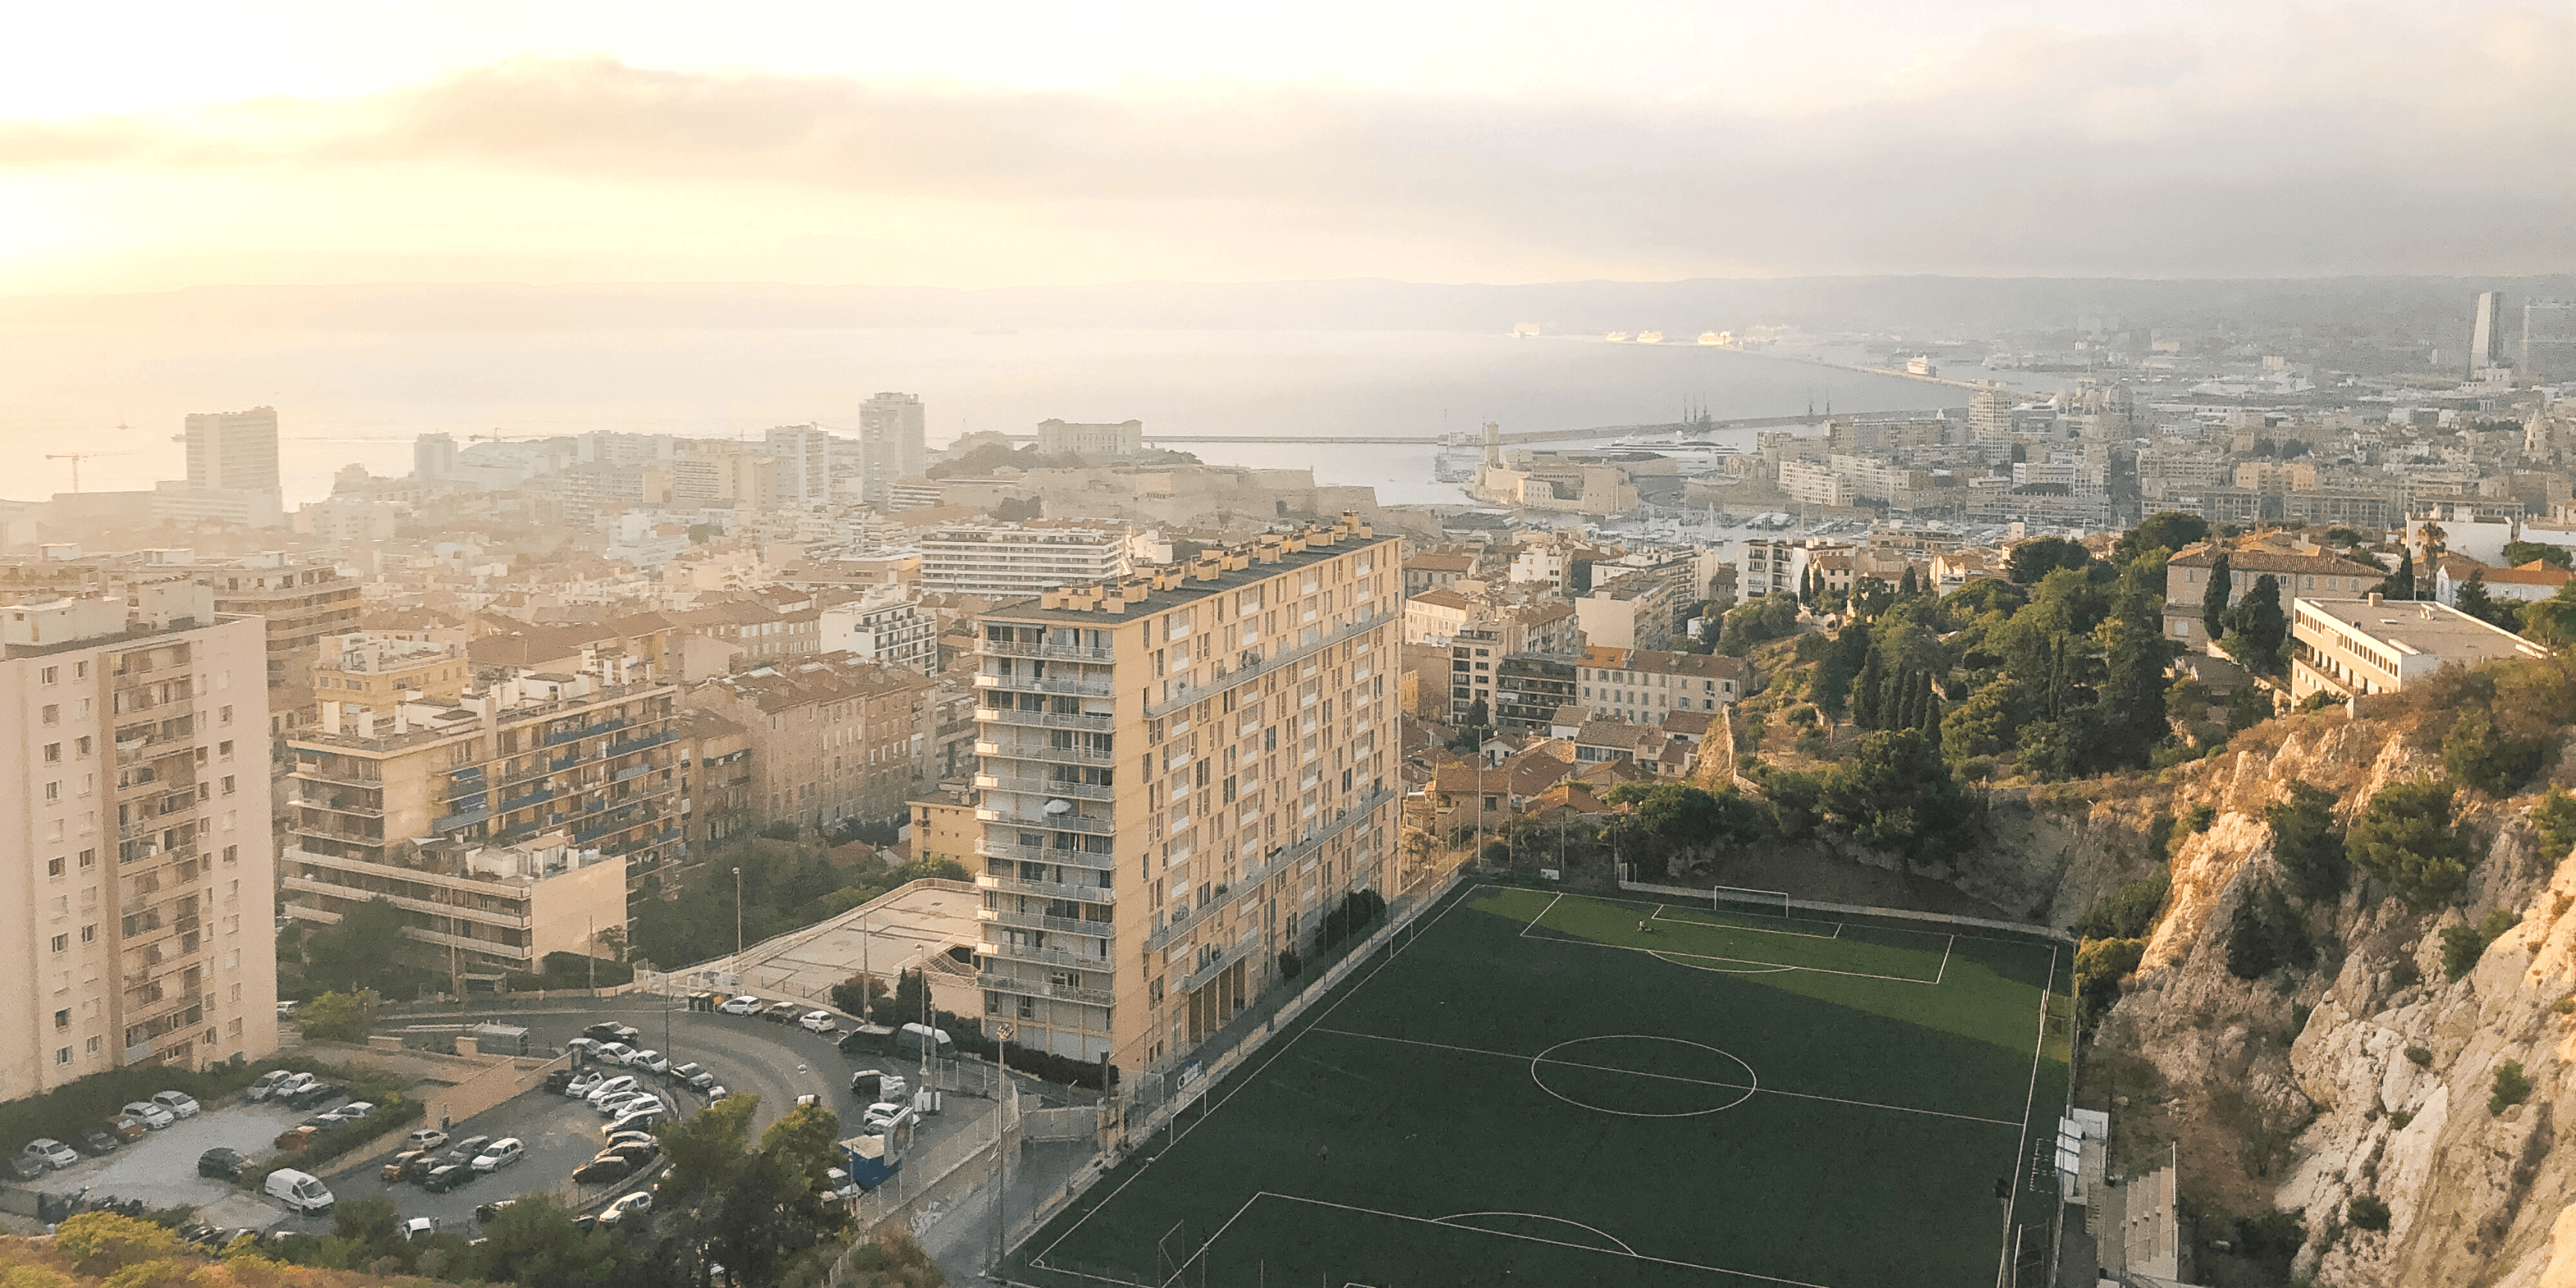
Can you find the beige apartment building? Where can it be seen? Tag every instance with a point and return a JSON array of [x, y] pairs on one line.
[[134, 837], [372, 674], [2353, 647], [589, 753], [477, 911], [1181, 774]]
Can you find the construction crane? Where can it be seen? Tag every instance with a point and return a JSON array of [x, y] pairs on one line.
[[76, 458]]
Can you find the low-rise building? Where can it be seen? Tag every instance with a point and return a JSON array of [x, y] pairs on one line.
[[832, 737], [371, 674], [2359, 646], [1644, 685], [887, 625], [474, 912], [2534, 580], [944, 825], [2300, 569]]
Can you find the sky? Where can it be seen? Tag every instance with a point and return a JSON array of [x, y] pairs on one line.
[[158, 146]]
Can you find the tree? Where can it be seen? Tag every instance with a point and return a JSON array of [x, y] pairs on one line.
[[1841, 666], [1477, 716], [807, 1140], [2037, 557], [1894, 793], [1869, 691], [337, 1017], [782, 830], [2555, 819], [2401, 583], [2487, 758], [707, 1148], [2165, 530], [2472, 598], [2403, 838], [2264, 934], [533, 1243], [101, 1243], [2259, 621], [351, 955], [2213, 601], [2518, 553], [2132, 699], [1984, 725], [2304, 843]]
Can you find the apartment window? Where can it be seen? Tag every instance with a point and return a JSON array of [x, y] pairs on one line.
[[231, 853], [54, 790], [228, 784], [62, 942], [53, 753], [225, 751], [53, 714], [93, 1044], [63, 1055], [49, 675], [63, 1019], [80, 670], [88, 859], [81, 746], [54, 866], [89, 933], [224, 715]]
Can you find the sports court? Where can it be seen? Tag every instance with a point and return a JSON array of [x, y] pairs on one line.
[[1551, 1088]]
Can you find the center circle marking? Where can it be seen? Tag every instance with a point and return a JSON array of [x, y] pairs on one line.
[[1570, 1069]]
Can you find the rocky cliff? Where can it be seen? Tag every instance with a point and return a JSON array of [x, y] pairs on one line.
[[2362, 1072]]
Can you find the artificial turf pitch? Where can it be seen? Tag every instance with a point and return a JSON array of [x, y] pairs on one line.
[[1531, 1089]]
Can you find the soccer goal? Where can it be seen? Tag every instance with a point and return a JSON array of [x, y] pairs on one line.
[[1766, 902]]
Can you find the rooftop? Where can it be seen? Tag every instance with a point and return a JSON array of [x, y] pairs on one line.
[[1210, 574], [2423, 628]]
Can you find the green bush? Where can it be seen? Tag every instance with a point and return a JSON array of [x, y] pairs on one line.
[[2488, 758], [2555, 818], [90, 1101], [2423, 1058], [2461, 948], [2265, 933], [2128, 912], [968, 1033], [2399, 1118], [2403, 972], [2366, 1212], [2510, 1088], [2403, 838], [2304, 843], [2201, 816], [2271, 1241]]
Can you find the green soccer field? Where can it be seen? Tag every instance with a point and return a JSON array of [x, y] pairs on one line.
[[1567, 1089]]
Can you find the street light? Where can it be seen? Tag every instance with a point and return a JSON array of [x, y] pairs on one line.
[[737, 924]]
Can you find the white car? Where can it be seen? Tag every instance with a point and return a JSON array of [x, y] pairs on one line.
[[179, 1103], [639, 1118], [620, 1106], [638, 1202], [887, 1125], [882, 1109], [744, 1005], [613, 1052], [817, 1022], [617, 1086], [839, 1185], [583, 1046], [649, 1060], [581, 1087], [270, 1082], [54, 1152], [150, 1114], [426, 1138], [355, 1110], [499, 1154]]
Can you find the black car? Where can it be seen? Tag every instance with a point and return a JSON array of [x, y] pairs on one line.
[[317, 1094], [465, 1150], [222, 1164], [484, 1212], [607, 1032], [95, 1141], [446, 1176], [560, 1079], [603, 1171], [637, 1152]]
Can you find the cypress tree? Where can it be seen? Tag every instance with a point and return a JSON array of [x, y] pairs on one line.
[[2213, 603], [1869, 693]]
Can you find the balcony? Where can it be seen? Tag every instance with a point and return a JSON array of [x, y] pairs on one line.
[[516, 803], [1042, 921], [1094, 825], [586, 731], [1045, 956], [1037, 786], [1285, 657], [640, 744], [1041, 752], [464, 819], [342, 777], [1158, 940], [1217, 965], [476, 915], [1041, 988], [1100, 687], [1045, 889], [1058, 652], [1039, 854], [1046, 719], [338, 803]]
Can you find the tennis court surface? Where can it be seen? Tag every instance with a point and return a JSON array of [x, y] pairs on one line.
[[1563, 1089]]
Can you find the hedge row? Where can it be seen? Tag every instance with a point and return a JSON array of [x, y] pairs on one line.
[[90, 1102], [400, 1110]]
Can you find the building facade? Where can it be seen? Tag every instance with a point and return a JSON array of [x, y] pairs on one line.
[[135, 839], [1060, 438], [2358, 646], [475, 913], [2187, 578], [1013, 559], [887, 625], [1642, 686], [233, 451], [831, 737], [1181, 775], [891, 446]]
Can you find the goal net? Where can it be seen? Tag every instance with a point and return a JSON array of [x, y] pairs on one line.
[[1773, 903]]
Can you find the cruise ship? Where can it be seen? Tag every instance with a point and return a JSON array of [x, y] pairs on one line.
[[1616, 337], [1650, 337]]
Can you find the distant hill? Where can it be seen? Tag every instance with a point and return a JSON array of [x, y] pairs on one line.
[[1923, 308]]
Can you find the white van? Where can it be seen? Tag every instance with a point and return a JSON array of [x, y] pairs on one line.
[[299, 1190], [918, 1038]]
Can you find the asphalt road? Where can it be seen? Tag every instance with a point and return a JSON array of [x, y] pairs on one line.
[[777, 1062], [161, 1168]]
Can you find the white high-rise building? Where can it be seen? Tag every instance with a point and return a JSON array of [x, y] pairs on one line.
[[135, 852], [2486, 333], [802, 474], [233, 450], [1021, 559], [891, 445]]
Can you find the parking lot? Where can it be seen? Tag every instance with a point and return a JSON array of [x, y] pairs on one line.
[[161, 1168], [777, 1062]]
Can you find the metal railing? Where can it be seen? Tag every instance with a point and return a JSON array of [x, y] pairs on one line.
[[1042, 854], [1064, 652], [1037, 786], [1044, 921], [1046, 889], [1092, 825], [1085, 688], [1218, 965], [1158, 940], [1045, 988], [1287, 657], [1048, 754], [1044, 956], [1045, 719]]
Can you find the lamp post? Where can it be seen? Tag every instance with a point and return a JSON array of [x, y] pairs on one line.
[[737, 926], [1004, 1031]]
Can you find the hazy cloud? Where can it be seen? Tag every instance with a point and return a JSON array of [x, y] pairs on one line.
[[2148, 153]]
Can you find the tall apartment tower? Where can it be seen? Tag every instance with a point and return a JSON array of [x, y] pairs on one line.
[[233, 450], [802, 469], [134, 837], [2549, 339], [1182, 773], [891, 446], [1990, 413], [2486, 333]]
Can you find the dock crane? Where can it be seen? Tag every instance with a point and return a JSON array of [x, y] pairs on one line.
[[76, 458]]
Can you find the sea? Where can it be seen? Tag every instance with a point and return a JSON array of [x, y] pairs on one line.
[[361, 396]]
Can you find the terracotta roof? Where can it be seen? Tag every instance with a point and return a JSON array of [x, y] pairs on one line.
[[1711, 666], [2273, 561], [1441, 599], [1431, 562]]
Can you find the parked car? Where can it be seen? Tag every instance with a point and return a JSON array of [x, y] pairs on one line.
[[620, 1138], [603, 1171], [399, 1167], [640, 1119], [355, 1110], [274, 1081], [649, 1060], [294, 1139], [888, 1124], [583, 1084], [607, 1031], [95, 1141], [718, 1092], [781, 1012], [128, 1128], [317, 1093], [638, 1152], [301, 1191], [838, 1184], [484, 1212], [817, 1022], [743, 1005], [464, 1151], [418, 1226], [445, 1177], [582, 1048], [499, 1154], [696, 1076], [153, 1116], [613, 1052], [286, 1010], [51, 1152], [560, 1079], [179, 1103], [617, 1086], [426, 1138], [635, 1204], [19, 1167], [612, 1106]]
